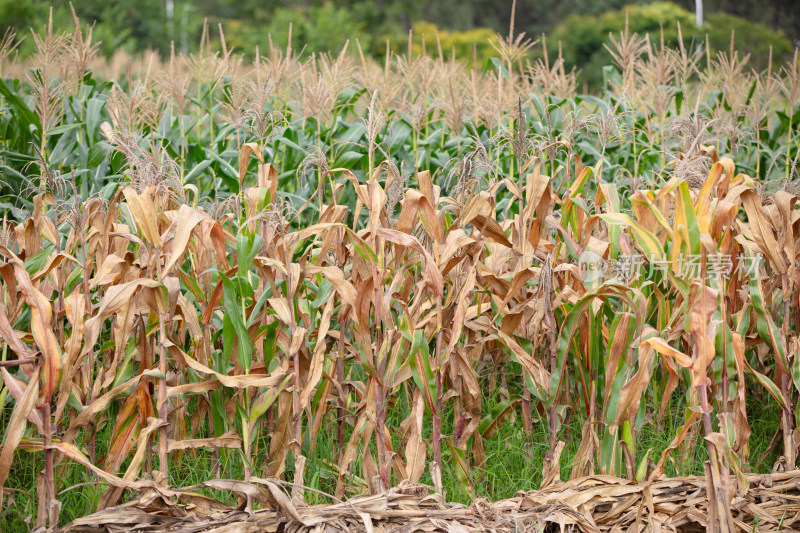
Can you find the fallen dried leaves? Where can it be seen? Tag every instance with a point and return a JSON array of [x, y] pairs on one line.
[[590, 505]]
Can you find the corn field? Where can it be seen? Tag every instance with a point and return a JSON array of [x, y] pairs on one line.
[[339, 275]]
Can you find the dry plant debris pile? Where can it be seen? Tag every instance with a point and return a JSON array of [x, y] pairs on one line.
[[331, 277], [591, 504]]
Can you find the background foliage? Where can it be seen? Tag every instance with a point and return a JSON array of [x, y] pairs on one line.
[[321, 25]]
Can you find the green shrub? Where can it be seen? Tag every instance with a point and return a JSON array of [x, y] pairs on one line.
[[749, 37], [582, 36], [320, 29], [464, 43]]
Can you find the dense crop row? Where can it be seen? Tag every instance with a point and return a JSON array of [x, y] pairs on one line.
[[247, 264]]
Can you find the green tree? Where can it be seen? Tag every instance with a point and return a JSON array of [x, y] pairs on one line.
[[119, 24]]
